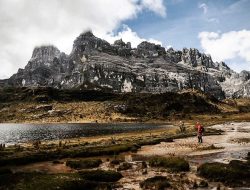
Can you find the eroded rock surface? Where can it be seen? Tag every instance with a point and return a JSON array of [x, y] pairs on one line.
[[96, 64]]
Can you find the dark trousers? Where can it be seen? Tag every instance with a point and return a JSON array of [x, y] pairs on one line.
[[199, 138]]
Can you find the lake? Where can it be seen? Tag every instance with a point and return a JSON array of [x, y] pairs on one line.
[[21, 133]]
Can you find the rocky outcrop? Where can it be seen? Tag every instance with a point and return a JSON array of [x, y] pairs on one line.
[[195, 58], [149, 50], [96, 64], [44, 67], [237, 85]]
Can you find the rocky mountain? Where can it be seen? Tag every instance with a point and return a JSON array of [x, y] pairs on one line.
[[96, 64]]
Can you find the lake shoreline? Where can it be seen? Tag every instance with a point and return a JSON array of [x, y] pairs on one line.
[[111, 148], [206, 120], [28, 133]]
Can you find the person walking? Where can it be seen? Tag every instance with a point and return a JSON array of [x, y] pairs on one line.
[[200, 130], [182, 127]]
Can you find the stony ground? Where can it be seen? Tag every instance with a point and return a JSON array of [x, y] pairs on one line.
[[233, 144]]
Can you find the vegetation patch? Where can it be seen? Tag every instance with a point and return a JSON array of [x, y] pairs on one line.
[[203, 184], [115, 162], [57, 162], [25, 157], [100, 150], [5, 171], [30, 181], [157, 183], [84, 163], [242, 140], [146, 105], [38, 181], [168, 103], [211, 147], [7, 180], [234, 174], [173, 163], [45, 94], [154, 141], [124, 166], [101, 175], [85, 184]]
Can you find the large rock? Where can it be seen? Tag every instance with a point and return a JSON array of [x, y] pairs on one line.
[[96, 64]]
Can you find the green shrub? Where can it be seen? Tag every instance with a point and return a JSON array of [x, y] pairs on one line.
[[43, 155], [115, 162], [5, 171], [84, 163], [203, 184], [35, 181], [215, 171], [173, 163], [85, 184], [234, 173], [101, 175], [157, 183], [124, 166], [57, 162]]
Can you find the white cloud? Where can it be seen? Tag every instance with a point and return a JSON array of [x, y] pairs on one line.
[[204, 7], [156, 6], [28, 23], [127, 35], [227, 46]]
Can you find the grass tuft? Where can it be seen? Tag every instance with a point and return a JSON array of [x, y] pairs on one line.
[[157, 182], [84, 163], [173, 163], [101, 175]]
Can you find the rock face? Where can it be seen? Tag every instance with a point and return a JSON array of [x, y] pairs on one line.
[[96, 64], [237, 85]]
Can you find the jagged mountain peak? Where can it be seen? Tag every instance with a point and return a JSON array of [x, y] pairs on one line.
[[95, 63], [45, 52], [86, 37], [87, 42], [150, 46], [88, 33], [120, 43]]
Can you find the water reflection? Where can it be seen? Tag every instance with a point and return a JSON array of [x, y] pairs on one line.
[[17, 133]]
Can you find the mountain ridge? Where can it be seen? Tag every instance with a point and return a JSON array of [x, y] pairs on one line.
[[95, 63]]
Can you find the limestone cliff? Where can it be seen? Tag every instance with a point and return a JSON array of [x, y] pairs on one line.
[[96, 64]]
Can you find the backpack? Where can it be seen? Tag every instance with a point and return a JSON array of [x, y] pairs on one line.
[[202, 129]]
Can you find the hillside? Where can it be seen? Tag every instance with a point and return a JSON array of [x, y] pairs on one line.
[[36, 105]]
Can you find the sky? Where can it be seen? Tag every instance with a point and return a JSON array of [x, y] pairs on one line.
[[220, 28]]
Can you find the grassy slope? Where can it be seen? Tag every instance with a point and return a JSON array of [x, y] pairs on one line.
[[22, 105]]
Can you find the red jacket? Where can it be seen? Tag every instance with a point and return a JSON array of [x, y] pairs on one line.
[[199, 128]]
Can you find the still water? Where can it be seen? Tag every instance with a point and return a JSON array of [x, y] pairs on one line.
[[20, 133]]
